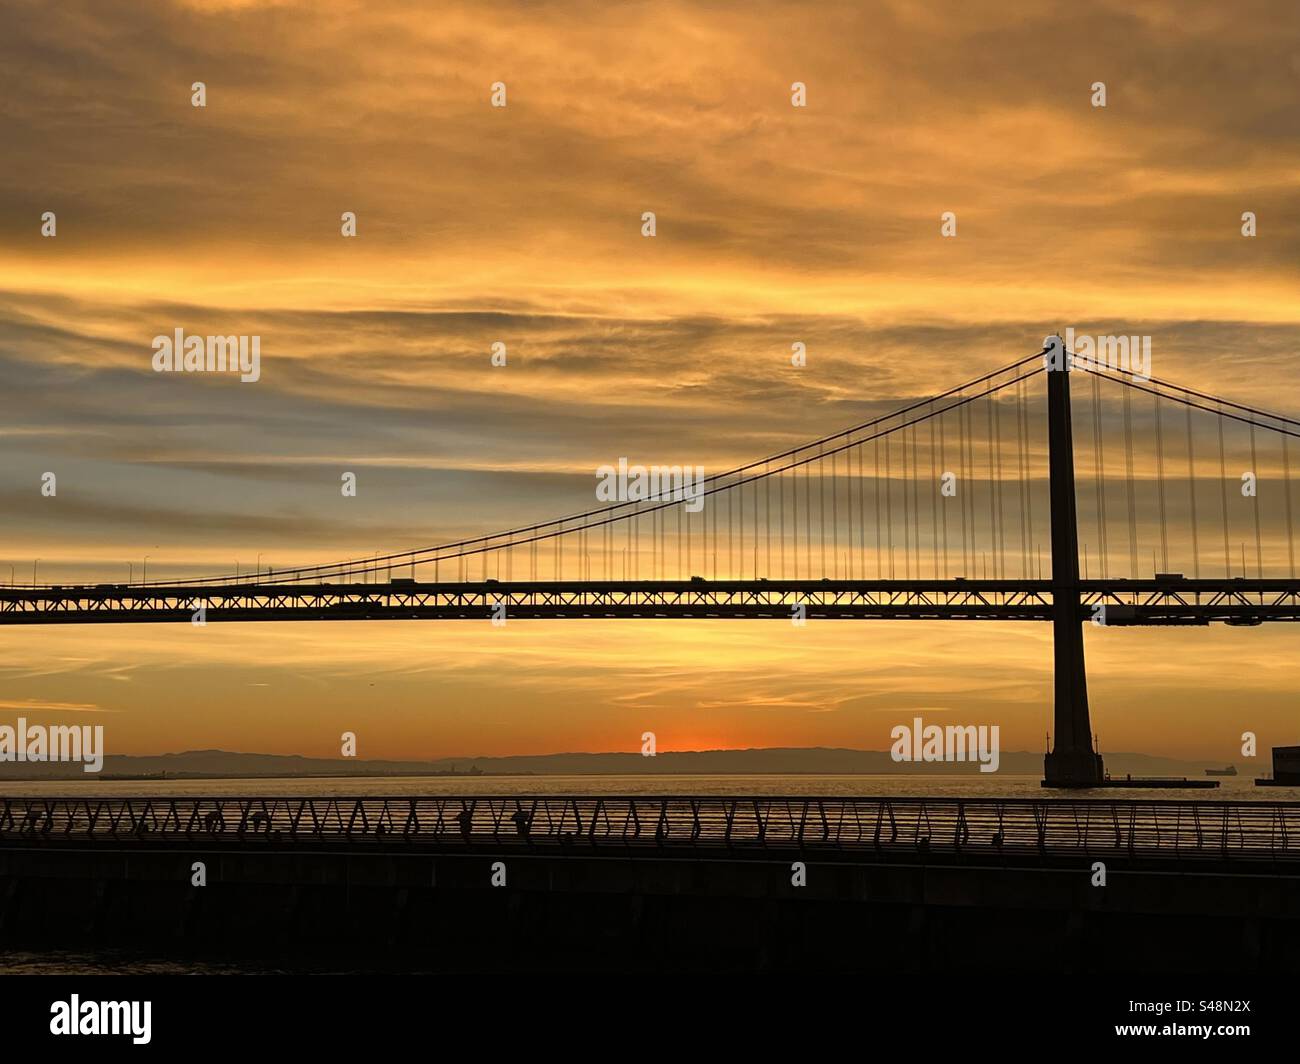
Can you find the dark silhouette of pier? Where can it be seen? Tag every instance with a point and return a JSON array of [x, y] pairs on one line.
[[520, 884]]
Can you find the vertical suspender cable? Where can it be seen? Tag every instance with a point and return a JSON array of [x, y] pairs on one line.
[[916, 503], [848, 509], [1254, 465], [934, 497], [767, 523], [941, 500], [713, 520], [835, 516], [821, 489], [1286, 487], [876, 486], [1223, 493], [1191, 493], [1022, 472], [907, 516], [657, 519], [793, 477], [889, 509], [1029, 484], [1128, 480], [1099, 471], [862, 531], [807, 515], [780, 506], [975, 552], [1002, 526], [862, 517], [848, 506], [993, 520], [1160, 476], [965, 489]]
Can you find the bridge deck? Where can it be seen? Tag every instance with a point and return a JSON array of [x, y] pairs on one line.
[[1126, 602]]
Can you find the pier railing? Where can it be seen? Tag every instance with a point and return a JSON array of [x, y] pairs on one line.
[[1233, 831]]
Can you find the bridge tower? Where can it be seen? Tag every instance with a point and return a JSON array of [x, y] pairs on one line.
[[1072, 761]]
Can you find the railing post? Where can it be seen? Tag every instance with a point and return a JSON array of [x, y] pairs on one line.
[[1072, 761]]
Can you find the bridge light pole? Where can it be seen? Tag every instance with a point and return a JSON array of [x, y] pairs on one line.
[[1072, 762]]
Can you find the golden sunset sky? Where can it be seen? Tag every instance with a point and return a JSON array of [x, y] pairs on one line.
[[522, 224]]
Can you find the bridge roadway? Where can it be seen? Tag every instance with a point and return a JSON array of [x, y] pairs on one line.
[[1162, 601]]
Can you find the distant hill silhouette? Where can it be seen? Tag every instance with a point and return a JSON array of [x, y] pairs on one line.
[[822, 761]]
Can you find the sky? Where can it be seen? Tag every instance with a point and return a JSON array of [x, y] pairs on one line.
[[522, 225]]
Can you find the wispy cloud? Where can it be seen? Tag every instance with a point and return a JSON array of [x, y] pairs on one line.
[[36, 706]]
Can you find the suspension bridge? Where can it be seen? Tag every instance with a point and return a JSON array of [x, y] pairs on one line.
[[1170, 507]]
